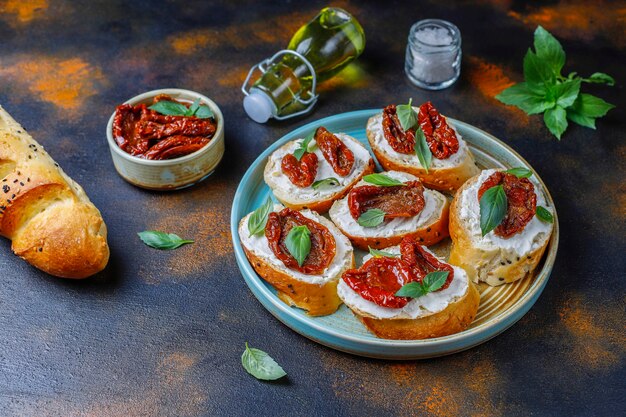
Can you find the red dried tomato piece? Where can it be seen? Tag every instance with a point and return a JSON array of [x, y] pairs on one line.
[[422, 262], [175, 146], [440, 137], [400, 140], [301, 173], [521, 198], [335, 151], [323, 246], [396, 201]]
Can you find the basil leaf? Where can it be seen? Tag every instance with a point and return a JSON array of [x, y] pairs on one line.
[[600, 78], [412, 290], [520, 172], [406, 115], [549, 50], [193, 108], [162, 240], [565, 93], [382, 180], [261, 365], [556, 121], [258, 218], [493, 206], [326, 182], [169, 108], [435, 280], [537, 74], [298, 243], [299, 153], [204, 112], [422, 150], [521, 96], [580, 119], [544, 215], [371, 218], [381, 253], [591, 106]]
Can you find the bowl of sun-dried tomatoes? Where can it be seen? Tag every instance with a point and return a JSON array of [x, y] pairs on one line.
[[166, 139]]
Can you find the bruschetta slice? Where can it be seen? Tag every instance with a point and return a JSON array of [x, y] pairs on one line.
[[384, 208], [511, 250], [313, 172], [300, 253], [439, 299], [451, 161]]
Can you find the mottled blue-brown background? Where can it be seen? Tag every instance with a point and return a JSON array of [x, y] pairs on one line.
[[161, 333]]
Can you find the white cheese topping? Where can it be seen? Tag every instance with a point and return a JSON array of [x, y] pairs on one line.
[[259, 245], [434, 204], [324, 170], [530, 238], [426, 305], [375, 126]]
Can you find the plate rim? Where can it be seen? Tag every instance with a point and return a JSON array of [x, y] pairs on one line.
[[508, 318]]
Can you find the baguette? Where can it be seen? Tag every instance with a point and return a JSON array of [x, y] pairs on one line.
[[490, 258], [48, 216], [428, 227], [319, 200], [317, 294], [443, 175]]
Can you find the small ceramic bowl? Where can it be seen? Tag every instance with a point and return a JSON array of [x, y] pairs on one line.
[[176, 173]]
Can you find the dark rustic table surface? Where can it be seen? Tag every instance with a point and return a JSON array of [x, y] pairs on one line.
[[161, 333]]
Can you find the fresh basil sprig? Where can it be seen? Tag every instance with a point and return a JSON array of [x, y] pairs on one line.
[[406, 115], [173, 108], [298, 243], [304, 145], [520, 172], [422, 150], [326, 182], [382, 180], [258, 218], [493, 207], [544, 215], [261, 365], [546, 90], [371, 218], [162, 240], [431, 282], [381, 253]]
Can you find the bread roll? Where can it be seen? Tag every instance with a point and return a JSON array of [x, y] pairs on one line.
[[48, 217]]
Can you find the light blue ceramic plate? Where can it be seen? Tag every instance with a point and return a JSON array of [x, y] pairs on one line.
[[500, 307]]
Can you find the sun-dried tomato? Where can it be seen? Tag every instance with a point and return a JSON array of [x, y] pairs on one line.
[[301, 173], [423, 262], [335, 151], [400, 140], [521, 199], [323, 246], [396, 201], [440, 137]]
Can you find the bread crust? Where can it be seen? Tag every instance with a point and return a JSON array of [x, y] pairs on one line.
[[456, 317], [48, 216], [319, 205], [495, 266], [442, 179]]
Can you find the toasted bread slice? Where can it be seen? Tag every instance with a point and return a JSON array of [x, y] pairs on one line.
[[322, 198], [428, 227], [443, 175], [436, 314], [491, 258], [317, 294]]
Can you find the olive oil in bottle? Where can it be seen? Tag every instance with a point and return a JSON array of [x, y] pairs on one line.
[[318, 51]]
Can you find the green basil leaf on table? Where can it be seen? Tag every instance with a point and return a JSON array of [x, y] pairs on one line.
[[406, 115], [564, 94], [381, 253], [298, 243], [520, 172], [261, 365], [544, 215], [371, 218], [258, 218], [521, 96], [549, 49], [169, 108], [493, 207], [600, 78], [162, 240], [556, 121], [382, 180], [537, 74], [303, 148], [326, 182], [422, 150]]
